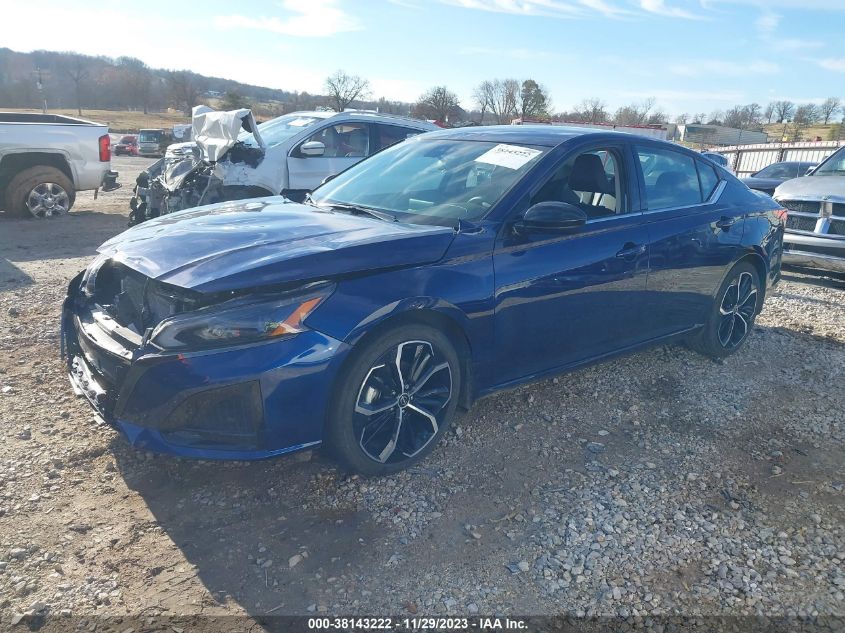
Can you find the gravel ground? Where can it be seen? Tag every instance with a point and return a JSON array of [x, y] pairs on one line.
[[661, 483]]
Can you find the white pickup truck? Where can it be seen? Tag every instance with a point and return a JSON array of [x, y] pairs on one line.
[[46, 158]]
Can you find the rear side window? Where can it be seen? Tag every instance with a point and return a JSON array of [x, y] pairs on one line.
[[671, 178], [387, 135], [708, 177]]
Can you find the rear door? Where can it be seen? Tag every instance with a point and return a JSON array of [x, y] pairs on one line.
[[345, 144], [693, 235]]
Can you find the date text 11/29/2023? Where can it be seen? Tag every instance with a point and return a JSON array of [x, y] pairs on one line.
[[417, 624]]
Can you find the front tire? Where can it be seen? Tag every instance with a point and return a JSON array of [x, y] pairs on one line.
[[732, 315], [394, 400]]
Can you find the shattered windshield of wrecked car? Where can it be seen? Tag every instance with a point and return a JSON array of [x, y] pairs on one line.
[[431, 181], [279, 129]]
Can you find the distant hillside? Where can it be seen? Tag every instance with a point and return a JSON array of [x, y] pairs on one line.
[[74, 82], [789, 132]]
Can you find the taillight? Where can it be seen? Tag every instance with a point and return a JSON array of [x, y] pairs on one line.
[[781, 214], [105, 148]]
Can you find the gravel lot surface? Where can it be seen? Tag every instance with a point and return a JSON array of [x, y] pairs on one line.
[[661, 483]]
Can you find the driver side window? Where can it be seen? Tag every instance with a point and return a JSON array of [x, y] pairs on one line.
[[591, 181], [343, 140]]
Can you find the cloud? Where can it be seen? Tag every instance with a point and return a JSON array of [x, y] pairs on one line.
[[833, 63], [521, 54], [794, 44], [562, 8], [659, 7], [767, 23], [548, 8], [723, 68], [307, 18]]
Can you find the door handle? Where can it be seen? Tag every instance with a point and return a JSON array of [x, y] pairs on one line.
[[631, 251], [725, 222]]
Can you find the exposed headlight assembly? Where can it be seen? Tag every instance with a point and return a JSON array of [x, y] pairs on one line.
[[238, 324]]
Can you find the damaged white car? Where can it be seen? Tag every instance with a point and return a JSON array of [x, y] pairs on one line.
[[233, 158]]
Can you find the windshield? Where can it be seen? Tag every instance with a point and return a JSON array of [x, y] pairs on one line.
[[128, 140], [833, 166], [279, 129], [432, 181], [149, 137]]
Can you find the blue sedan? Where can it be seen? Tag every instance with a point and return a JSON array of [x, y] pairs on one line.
[[442, 269]]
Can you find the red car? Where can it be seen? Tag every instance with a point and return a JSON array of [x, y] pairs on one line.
[[127, 145]]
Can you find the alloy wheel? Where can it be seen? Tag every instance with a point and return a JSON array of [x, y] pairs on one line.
[[737, 309], [402, 402], [47, 200]]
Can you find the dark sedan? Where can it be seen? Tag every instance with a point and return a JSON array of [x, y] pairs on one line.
[[442, 269], [769, 178]]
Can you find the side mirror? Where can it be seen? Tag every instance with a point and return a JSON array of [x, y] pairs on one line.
[[312, 148], [810, 171], [551, 217], [328, 178]]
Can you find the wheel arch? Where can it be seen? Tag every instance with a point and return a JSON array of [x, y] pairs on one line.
[[442, 318], [14, 163], [758, 261]]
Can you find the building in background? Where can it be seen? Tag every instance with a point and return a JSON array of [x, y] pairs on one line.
[[704, 134]]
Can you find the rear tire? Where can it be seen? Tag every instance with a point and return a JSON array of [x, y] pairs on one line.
[[47, 185], [394, 400], [732, 315]]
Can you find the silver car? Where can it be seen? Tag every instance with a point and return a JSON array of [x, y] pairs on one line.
[[233, 158], [815, 228]]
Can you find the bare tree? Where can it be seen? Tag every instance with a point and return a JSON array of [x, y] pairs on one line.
[[769, 112], [699, 117], [805, 114], [752, 113], [185, 89], [783, 110], [639, 114], [681, 119], [483, 96], [592, 111], [829, 108], [344, 89], [439, 103], [505, 99], [137, 79], [76, 68]]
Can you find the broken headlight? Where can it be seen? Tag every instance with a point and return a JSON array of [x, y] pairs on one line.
[[239, 324]]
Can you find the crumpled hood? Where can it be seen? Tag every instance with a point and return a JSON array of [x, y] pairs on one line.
[[216, 132], [266, 241], [813, 188]]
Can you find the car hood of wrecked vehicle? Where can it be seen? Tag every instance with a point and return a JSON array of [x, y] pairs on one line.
[[217, 132], [268, 241], [813, 188]]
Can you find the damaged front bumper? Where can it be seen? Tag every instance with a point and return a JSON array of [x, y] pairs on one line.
[[248, 402], [215, 167]]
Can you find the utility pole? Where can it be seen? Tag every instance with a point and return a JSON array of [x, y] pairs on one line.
[[39, 83]]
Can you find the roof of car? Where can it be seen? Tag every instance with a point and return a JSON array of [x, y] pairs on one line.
[[366, 114], [546, 135]]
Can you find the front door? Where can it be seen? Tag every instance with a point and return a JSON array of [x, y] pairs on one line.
[[344, 145], [565, 298]]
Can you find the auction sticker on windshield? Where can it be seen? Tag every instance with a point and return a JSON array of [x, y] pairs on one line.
[[510, 156]]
